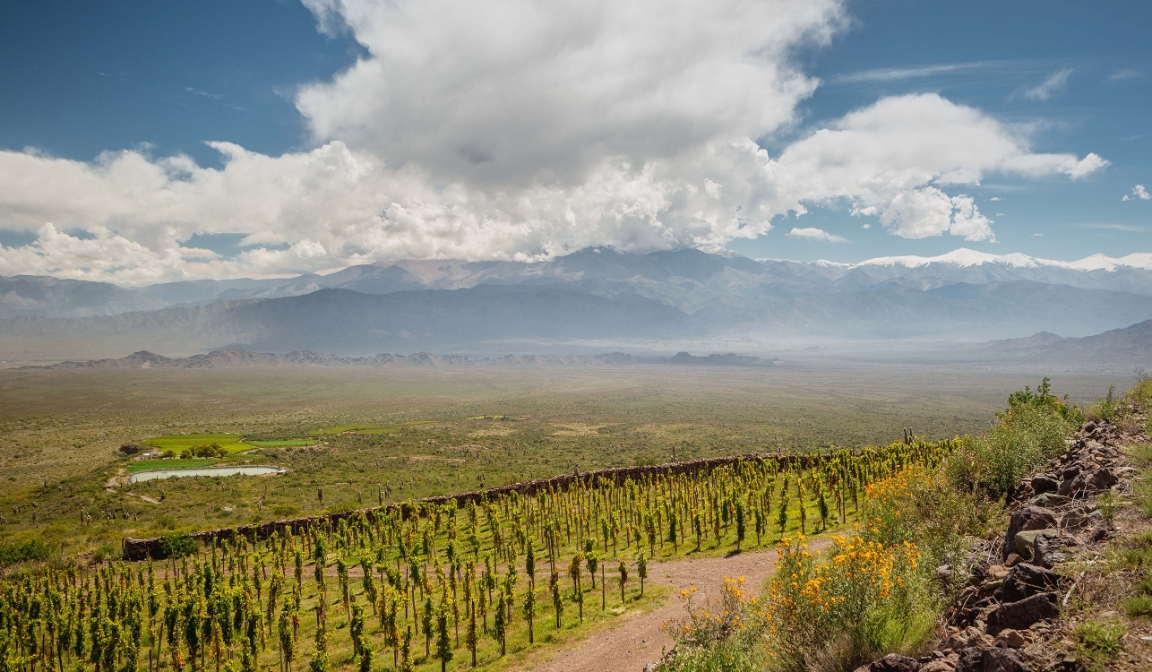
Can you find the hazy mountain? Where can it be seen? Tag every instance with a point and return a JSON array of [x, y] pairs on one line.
[[45, 295], [1131, 344], [687, 279], [596, 294]]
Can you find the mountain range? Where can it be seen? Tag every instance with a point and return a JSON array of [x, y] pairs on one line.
[[596, 295]]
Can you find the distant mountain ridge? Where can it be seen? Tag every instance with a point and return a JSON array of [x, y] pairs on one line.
[[1132, 344], [686, 279], [244, 359], [595, 295]]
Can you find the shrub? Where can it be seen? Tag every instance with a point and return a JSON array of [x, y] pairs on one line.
[[129, 449], [1100, 641], [175, 545], [1026, 435], [14, 552], [106, 553], [724, 638], [924, 507], [206, 450], [867, 598]]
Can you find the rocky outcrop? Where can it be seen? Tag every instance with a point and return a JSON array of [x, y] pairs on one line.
[[1000, 619]]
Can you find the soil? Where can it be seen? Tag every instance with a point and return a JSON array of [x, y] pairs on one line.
[[640, 639]]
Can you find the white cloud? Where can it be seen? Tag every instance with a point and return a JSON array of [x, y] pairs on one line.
[[1140, 192], [892, 159], [812, 233], [1121, 75], [1045, 89], [900, 74], [514, 91], [510, 131], [926, 212]]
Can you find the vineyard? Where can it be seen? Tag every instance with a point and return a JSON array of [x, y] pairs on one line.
[[425, 585]]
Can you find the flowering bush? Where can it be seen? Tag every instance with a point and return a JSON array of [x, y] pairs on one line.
[[726, 635], [923, 506], [866, 597]]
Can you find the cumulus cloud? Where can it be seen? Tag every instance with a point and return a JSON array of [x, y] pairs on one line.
[[510, 130], [813, 233], [1138, 192], [892, 159]]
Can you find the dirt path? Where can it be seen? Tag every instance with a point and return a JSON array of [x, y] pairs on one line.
[[638, 640]]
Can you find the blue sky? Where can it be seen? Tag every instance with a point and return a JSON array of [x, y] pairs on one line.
[[293, 87]]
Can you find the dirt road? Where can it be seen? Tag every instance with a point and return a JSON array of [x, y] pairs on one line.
[[639, 639]]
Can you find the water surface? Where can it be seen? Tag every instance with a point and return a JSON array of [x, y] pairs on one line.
[[239, 470]]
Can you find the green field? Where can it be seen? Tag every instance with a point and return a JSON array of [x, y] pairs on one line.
[[232, 443], [280, 443]]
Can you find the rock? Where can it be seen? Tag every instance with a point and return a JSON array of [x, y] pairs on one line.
[[941, 665], [1025, 542], [1025, 580], [971, 660], [1066, 663], [1074, 520], [1088, 481], [1022, 614], [1046, 550], [1024, 519], [1003, 660], [894, 662], [1013, 560], [997, 572], [1045, 483], [970, 637], [991, 660], [1049, 499], [1011, 639]]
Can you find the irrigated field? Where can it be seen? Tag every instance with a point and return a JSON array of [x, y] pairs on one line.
[[395, 434]]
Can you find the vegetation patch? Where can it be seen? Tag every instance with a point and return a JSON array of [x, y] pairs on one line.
[[179, 444], [371, 429]]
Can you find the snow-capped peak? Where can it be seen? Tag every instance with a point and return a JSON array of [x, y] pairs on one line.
[[965, 257]]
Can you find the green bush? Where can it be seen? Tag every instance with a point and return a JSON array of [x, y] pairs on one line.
[[32, 550], [177, 545], [210, 450], [1030, 432], [1100, 641]]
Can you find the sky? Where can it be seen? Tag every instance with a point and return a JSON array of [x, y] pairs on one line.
[[144, 142]]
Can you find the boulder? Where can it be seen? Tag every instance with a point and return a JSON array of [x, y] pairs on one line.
[[968, 638], [1022, 614], [1045, 483], [1046, 550], [1025, 580], [942, 665], [991, 660], [1025, 542], [1048, 500], [1011, 639], [1027, 518], [1095, 480], [894, 662]]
